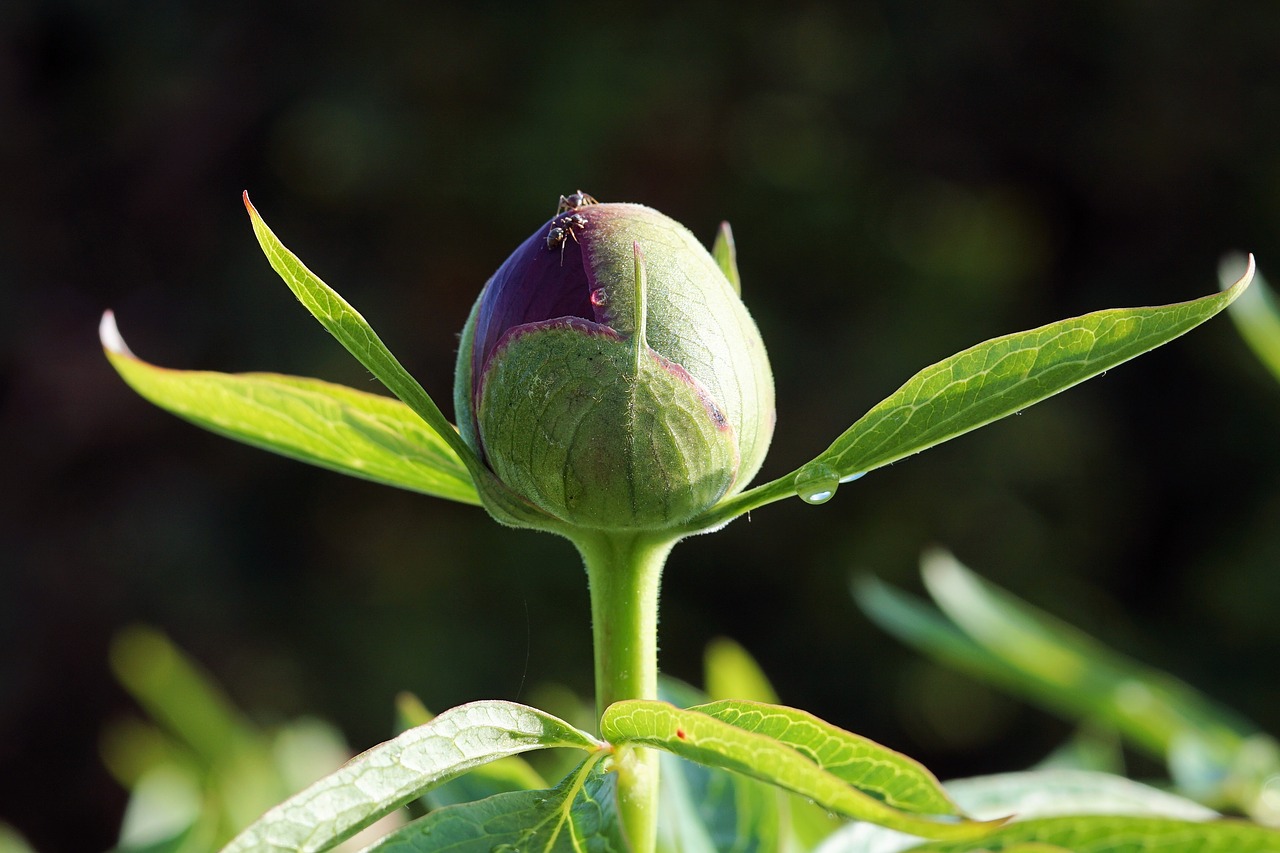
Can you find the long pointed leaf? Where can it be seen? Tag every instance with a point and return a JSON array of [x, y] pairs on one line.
[[384, 778], [354, 333], [1005, 375], [980, 385], [332, 426], [704, 739]]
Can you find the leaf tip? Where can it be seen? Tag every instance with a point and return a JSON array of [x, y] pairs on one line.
[[248, 205], [109, 335], [1234, 289]]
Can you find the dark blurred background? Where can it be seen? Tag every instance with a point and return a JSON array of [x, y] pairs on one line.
[[904, 180]]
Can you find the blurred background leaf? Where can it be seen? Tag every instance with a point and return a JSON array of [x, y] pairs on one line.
[[1211, 754], [902, 180], [197, 771], [1258, 318]]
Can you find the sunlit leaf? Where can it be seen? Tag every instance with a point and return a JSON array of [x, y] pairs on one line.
[[890, 776], [704, 739], [353, 432], [576, 816], [1008, 374], [354, 333], [502, 776], [711, 810], [390, 775], [980, 385]]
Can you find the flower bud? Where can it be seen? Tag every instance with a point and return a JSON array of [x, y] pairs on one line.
[[610, 375]]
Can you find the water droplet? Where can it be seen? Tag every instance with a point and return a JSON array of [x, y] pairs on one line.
[[815, 483], [599, 297]]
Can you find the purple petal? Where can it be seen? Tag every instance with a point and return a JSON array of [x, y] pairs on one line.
[[539, 282]]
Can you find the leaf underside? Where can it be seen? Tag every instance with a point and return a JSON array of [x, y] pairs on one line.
[[384, 778]]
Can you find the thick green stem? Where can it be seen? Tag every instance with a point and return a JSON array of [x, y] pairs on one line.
[[625, 573]]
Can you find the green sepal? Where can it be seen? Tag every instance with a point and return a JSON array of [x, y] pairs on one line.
[[726, 254], [568, 424]]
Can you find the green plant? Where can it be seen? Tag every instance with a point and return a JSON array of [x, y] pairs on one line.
[[689, 413], [1213, 755]]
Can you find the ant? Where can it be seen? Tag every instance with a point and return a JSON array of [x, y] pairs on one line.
[[575, 201], [562, 229]]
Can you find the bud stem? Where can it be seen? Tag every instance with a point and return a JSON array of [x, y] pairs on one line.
[[625, 573]]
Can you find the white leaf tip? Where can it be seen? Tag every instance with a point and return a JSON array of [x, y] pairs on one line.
[[109, 335], [1229, 276]]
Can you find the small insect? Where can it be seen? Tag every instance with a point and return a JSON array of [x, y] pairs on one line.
[[575, 201], [562, 228]]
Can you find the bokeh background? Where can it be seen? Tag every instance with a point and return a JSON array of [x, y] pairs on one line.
[[904, 180]]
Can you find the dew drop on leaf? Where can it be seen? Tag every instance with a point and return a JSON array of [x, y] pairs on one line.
[[816, 483]]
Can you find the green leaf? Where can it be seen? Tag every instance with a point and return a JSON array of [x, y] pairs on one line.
[[710, 810], [707, 809], [980, 385], [11, 841], [577, 815], [889, 776], [732, 673], [1256, 314], [1033, 795], [179, 695], [923, 626], [1006, 375], [1073, 670], [726, 255], [503, 776], [1051, 793], [1111, 834], [379, 781], [353, 432], [701, 738], [354, 333], [1213, 755]]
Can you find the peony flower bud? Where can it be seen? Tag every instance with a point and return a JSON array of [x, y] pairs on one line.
[[610, 375]]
